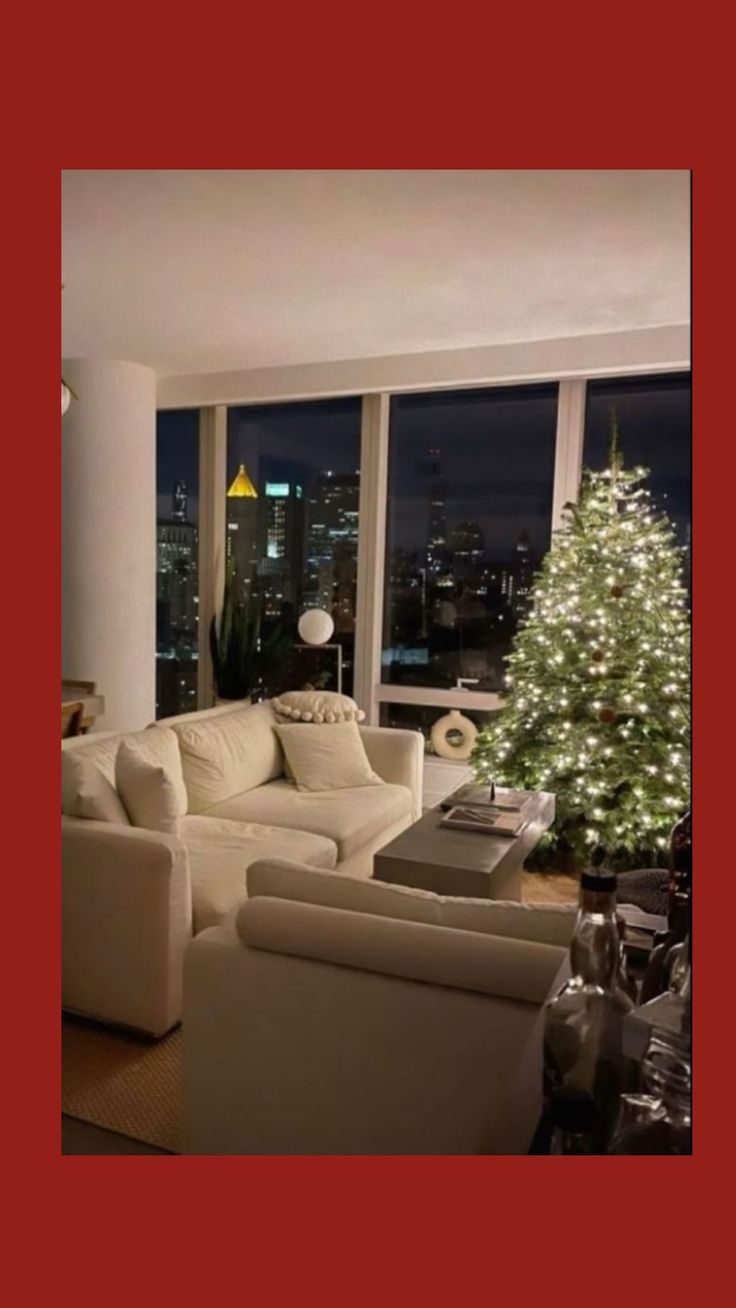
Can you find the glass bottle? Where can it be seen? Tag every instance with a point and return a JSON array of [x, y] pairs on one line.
[[659, 1121], [679, 893], [584, 1068]]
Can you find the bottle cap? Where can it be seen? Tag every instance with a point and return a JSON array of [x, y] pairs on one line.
[[598, 878]]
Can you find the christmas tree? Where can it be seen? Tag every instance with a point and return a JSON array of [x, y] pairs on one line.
[[597, 706]]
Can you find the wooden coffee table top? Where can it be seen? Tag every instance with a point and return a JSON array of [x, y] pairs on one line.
[[434, 857]]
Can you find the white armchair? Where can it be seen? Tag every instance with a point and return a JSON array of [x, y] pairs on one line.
[[334, 1016]]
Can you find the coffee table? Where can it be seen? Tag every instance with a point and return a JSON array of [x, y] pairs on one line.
[[469, 864]]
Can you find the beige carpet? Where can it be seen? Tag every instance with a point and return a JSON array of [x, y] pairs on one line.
[[549, 887], [127, 1084], [123, 1082]]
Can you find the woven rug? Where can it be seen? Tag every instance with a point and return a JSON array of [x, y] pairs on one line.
[[123, 1082]]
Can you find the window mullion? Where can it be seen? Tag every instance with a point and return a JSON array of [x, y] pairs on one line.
[[371, 552], [212, 460], [568, 448]]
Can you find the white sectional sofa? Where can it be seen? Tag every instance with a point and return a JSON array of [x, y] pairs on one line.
[[132, 898], [335, 1016]]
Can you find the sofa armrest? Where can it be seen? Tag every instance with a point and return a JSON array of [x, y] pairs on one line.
[[126, 921], [398, 757]]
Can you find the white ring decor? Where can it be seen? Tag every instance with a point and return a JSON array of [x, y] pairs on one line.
[[315, 627], [449, 725]]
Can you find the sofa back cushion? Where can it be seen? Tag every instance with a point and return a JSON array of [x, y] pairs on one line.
[[200, 715], [227, 754], [548, 924], [155, 745], [98, 748], [86, 792]]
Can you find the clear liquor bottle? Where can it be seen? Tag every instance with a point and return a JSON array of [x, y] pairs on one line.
[[585, 1071], [659, 1121], [662, 958]]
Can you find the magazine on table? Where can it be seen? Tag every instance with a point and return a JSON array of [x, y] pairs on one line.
[[475, 795], [487, 820]]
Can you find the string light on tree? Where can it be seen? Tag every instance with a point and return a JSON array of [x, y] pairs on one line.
[[603, 655]]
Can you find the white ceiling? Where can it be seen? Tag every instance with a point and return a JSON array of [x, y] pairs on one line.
[[198, 271]]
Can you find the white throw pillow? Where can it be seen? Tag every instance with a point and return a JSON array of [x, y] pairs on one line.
[[150, 790], [317, 706], [327, 760], [86, 791]]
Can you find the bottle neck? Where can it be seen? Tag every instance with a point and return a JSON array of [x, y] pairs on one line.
[[596, 943]]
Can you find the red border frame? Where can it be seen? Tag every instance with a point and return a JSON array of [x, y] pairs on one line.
[[352, 1230]]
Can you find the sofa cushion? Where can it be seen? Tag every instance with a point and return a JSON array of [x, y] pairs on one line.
[[229, 753], [547, 924], [97, 747], [86, 791], [349, 817], [322, 759], [157, 745], [201, 715], [151, 791], [220, 852]]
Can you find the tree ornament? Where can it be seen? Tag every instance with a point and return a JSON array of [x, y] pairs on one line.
[[607, 715], [597, 656], [616, 591]]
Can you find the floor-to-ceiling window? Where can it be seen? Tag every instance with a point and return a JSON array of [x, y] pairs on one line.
[[293, 484], [471, 485], [177, 572], [469, 519]]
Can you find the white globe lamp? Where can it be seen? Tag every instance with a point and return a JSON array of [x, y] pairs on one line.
[[315, 627]]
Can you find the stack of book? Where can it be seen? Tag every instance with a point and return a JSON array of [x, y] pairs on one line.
[[487, 819]]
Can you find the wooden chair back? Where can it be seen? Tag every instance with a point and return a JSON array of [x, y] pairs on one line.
[[71, 720], [73, 687]]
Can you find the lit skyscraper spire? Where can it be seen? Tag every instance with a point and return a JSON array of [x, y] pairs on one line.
[[242, 530]]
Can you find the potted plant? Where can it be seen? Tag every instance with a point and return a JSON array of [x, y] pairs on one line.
[[245, 656]]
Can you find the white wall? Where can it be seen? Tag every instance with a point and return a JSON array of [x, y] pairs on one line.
[[109, 536]]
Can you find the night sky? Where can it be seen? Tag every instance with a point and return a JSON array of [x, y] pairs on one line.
[[496, 458], [655, 431], [496, 452], [294, 442], [177, 458]]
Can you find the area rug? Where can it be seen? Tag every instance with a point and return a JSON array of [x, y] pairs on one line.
[[123, 1082], [549, 888]]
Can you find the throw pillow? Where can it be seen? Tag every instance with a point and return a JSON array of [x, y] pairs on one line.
[[317, 706], [148, 790], [327, 760], [86, 791]]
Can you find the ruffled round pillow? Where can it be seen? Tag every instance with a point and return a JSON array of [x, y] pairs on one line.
[[317, 706]]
